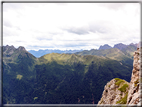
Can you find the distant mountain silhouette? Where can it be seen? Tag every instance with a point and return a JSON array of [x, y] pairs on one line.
[[40, 53], [124, 48], [106, 46]]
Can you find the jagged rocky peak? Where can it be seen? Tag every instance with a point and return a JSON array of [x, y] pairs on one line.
[[7, 47], [120, 46], [24, 53], [115, 92], [8, 50], [106, 46], [134, 44], [21, 48], [118, 91]]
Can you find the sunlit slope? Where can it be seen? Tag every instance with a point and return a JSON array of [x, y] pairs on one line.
[[86, 60], [60, 58], [112, 53], [129, 50], [71, 58]]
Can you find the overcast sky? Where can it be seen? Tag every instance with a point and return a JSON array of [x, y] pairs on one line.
[[70, 25]]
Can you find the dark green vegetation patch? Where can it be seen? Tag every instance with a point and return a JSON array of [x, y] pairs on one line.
[[136, 82], [119, 81], [123, 100], [123, 88]]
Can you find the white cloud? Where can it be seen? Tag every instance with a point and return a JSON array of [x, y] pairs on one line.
[[70, 26]]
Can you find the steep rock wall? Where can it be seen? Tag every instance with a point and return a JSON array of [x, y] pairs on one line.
[[118, 91], [134, 87], [115, 92]]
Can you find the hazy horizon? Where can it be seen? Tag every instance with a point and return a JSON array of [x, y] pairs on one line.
[[67, 49]]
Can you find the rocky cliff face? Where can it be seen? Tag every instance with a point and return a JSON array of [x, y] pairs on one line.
[[106, 46], [134, 87], [118, 91], [115, 92], [120, 46], [8, 50]]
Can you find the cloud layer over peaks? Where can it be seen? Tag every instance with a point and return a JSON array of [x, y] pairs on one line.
[[70, 25]]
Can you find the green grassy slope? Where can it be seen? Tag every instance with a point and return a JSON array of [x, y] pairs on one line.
[[112, 53], [129, 50]]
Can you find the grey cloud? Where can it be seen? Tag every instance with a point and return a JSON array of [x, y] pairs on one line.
[[55, 33], [10, 31], [44, 38], [100, 26], [7, 23], [79, 31], [99, 29]]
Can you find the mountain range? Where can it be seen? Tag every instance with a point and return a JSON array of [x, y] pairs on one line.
[[119, 46], [40, 52], [106, 46], [120, 52], [61, 78]]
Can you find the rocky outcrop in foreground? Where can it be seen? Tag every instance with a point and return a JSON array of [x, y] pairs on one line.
[[118, 91], [115, 92]]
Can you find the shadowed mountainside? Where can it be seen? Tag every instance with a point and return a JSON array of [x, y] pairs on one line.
[[57, 78]]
